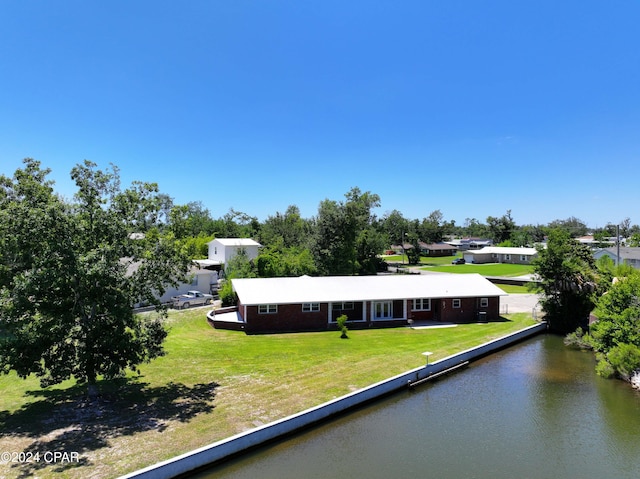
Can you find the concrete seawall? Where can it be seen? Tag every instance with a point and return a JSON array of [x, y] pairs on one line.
[[241, 442]]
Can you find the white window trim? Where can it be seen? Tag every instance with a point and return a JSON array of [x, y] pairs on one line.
[[456, 301], [383, 304], [310, 307], [421, 307], [484, 302], [267, 308], [344, 306]]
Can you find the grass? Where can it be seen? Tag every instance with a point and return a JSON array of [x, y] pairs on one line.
[[443, 264], [514, 289], [491, 269], [424, 260], [212, 384]]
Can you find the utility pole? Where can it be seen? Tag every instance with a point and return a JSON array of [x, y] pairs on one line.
[[618, 245]]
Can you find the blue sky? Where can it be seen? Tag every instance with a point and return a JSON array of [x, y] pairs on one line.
[[473, 108]]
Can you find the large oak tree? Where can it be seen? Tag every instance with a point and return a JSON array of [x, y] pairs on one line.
[[70, 272]]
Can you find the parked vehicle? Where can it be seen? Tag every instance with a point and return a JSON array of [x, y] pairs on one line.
[[458, 261], [191, 298]]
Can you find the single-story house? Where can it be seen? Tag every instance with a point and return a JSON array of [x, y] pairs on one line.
[[464, 244], [222, 250], [628, 255], [437, 249], [500, 254], [592, 242], [314, 303]]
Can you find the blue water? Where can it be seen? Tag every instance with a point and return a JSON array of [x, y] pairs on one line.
[[536, 411]]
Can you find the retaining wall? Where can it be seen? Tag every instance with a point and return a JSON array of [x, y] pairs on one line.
[[231, 446]]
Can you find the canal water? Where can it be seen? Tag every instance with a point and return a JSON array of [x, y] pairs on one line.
[[536, 410]]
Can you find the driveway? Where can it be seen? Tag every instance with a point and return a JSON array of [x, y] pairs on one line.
[[519, 303]]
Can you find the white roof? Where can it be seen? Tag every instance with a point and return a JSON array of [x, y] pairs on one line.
[[207, 262], [236, 242], [306, 289], [503, 250]]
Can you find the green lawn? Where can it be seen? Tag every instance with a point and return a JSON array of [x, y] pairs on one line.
[[211, 384], [514, 289], [424, 260], [490, 269]]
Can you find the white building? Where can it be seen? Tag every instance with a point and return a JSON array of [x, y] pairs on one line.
[[221, 250]]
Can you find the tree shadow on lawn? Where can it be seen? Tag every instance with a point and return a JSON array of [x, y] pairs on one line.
[[67, 421]]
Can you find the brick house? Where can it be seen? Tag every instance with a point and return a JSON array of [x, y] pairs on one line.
[[314, 303]]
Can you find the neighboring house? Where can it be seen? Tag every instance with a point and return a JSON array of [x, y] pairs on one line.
[[314, 303], [221, 250], [401, 248], [464, 244], [592, 242], [630, 256], [437, 249], [499, 254]]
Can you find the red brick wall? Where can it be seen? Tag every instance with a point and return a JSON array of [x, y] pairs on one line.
[[289, 317], [468, 310]]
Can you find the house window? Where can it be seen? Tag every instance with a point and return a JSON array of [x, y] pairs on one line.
[[456, 303], [422, 304], [268, 308], [310, 307], [382, 310], [346, 306], [507, 257], [484, 302], [523, 258]]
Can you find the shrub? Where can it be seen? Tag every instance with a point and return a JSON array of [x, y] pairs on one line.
[[625, 359], [342, 325], [578, 340], [227, 295], [604, 368]]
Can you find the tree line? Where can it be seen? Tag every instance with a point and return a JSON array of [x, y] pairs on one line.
[[347, 237], [70, 270]]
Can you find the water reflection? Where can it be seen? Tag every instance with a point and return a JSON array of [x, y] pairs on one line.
[[533, 411]]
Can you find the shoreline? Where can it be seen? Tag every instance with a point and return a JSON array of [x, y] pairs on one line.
[[243, 442]]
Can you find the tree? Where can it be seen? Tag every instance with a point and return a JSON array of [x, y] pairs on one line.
[[431, 229], [528, 235], [71, 273], [574, 226], [413, 253], [337, 231], [474, 229], [276, 261], [634, 240], [285, 230], [501, 228], [618, 311], [190, 220], [568, 281], [395, 226]]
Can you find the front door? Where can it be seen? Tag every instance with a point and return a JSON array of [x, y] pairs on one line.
[[382, 310]]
